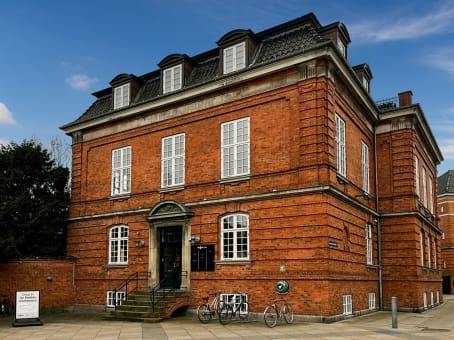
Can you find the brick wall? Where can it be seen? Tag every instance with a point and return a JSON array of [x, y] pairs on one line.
[[53, 278]]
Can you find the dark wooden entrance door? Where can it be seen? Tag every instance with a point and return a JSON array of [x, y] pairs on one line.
[[446, 284], [170, 257]]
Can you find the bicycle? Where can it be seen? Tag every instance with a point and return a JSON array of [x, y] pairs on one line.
[[6, 306], [236, 306], [272, 313], [206, 311]]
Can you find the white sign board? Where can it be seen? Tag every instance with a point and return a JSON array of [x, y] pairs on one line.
[[27, 304]]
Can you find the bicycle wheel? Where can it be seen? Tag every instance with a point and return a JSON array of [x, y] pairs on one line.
[[287, 310], [204, 313], [270, 316], [226, 314], [218, 308], [243, 312]]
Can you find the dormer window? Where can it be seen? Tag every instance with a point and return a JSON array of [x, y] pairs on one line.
[[342, 48], [121, 96], [172, 79], [234, 58]]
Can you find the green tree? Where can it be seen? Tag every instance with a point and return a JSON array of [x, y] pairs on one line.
[[34, 202]]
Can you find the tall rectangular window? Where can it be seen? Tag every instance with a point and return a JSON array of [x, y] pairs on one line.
[[118, 245], [365, 166], [417, 175], [235, 148], [121, 96], [235, 58], [424, 187], [371, 301], [235, 237], [340, 146], [173, 160], [347, 304], [429, 255], [430, 198], [421, 246], [173, 79], [121, 171], [369, 244]]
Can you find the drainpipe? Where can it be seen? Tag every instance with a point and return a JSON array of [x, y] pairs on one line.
[[377, 207]]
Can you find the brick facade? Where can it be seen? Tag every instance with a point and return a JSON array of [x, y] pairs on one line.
[[53, 278], [307, 223]]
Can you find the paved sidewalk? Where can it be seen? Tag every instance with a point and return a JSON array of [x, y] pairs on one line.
[[436, 323]]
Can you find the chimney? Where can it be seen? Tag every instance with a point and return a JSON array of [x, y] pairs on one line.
[[405, 98]]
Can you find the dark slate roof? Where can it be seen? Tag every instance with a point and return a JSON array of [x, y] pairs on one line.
[[445, 183], [276, 43]]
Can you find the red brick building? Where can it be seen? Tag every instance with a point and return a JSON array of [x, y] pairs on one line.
[[260, 160], [445, 190]]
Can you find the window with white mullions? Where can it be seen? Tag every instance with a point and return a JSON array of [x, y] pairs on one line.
[[347, 304], [121, 171], [173, 160], [121, 96], [119, 297], [235, 148], [118, 245], [235, 237], [365, 166], [369, 259], [172, 79], [340, 146], [235, 58]]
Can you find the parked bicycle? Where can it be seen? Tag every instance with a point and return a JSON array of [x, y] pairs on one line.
[[209, 310], [237, 306], [6, 306], [272, 312]]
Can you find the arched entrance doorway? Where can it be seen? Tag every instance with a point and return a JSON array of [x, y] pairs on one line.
[[170, 250]]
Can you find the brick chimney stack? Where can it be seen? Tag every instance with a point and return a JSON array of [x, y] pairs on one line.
[[405, 98]]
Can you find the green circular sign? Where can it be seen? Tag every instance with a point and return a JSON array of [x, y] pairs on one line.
[[282, 286]]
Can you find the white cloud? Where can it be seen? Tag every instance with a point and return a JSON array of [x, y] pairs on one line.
[[447, 148], [80, 81], [443, 60], [6, 117], [392, 28], [4, 141]]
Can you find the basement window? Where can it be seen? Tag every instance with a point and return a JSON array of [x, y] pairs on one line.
[[119, 298], [347, 304]]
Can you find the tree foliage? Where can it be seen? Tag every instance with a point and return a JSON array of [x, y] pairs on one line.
[[34, 202]]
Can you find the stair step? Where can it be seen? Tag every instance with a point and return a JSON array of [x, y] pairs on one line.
[[133, 319]]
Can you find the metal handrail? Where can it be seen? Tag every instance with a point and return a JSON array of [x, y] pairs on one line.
[[134, 278], [165, 291]]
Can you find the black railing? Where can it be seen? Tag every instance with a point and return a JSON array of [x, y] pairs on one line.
[[388, 104], [165, 291], [129, 285]]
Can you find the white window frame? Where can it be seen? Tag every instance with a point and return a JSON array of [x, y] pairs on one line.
[[340, 147], [235, 299], [235, 237], [369, 244], [424, 187], [118, 245], [432, 298], [121, 96], [424, 299], [372, 301], [421, 246], [173, 160], [365, 166], [347, 305], [430, 198], [234, 58], [120, 296], [435, 253], [429, 255], [121, 171], [172, 79], [418, 193], [235, 146]]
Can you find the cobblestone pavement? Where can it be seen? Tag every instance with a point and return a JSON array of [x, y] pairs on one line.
[[436, 323]]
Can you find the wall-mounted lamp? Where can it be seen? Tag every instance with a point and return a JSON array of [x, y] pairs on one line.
[[140, 243], [50, 278], [195, 239]]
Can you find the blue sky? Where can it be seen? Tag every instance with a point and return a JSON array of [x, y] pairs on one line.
[[55, 53]]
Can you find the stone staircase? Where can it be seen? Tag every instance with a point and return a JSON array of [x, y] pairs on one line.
[[139, 306]]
